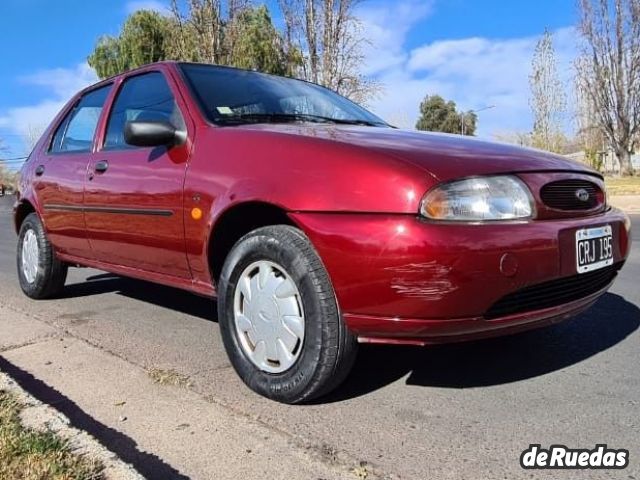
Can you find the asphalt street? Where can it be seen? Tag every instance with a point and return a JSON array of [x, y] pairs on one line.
[[452, 411]]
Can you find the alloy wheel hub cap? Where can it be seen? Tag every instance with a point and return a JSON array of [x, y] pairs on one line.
[[30, 256], [269, 318]]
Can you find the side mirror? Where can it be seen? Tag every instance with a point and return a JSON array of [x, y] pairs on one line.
[[151, 134]]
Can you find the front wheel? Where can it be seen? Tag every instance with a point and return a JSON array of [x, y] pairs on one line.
[[279, 318], [40, 273]]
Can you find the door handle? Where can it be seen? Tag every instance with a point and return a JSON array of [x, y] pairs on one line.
[[39, 170], [101, 166]]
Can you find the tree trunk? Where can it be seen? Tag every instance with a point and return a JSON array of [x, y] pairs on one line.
[[624, 157]]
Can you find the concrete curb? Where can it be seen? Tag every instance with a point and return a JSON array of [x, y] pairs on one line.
[[42, 417], [169, 431]]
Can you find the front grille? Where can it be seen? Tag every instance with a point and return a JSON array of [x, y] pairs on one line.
[[553, 293], [561, 195]]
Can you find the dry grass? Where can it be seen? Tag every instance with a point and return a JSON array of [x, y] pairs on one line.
[[623, 185], [361, 472], [26, 454], [169, 377]]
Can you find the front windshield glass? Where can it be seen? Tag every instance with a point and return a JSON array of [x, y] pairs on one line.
[[229, 96]]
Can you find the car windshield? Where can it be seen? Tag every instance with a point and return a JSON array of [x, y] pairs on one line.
[[230, 96]]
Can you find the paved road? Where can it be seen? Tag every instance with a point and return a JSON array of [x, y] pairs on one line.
[[461, 411]]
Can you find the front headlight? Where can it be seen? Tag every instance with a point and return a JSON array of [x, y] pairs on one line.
[[502, 197]]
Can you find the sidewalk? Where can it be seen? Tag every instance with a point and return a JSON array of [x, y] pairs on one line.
[[162, 431], [628, 203]]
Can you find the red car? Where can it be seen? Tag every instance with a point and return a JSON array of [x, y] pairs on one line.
[[314, 223]]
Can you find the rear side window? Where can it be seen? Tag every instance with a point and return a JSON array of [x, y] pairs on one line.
[[145, 97], [75, 133]]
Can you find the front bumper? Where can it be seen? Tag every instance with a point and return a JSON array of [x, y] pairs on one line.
[[402, 278]]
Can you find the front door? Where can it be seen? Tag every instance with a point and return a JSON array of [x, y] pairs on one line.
[[133, 198], [60, 171]]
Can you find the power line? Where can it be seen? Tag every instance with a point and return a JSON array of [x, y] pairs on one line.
[[13, 159]]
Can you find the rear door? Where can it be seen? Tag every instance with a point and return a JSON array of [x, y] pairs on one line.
[[60, 172], [133, 200]]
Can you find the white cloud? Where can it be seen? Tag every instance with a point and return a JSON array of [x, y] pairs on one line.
[[154, 5], [60, 84], [474, 72], [386, 24], [21, 119]]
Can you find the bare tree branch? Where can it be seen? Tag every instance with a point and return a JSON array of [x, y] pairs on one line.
[[329, 35], [609, 71], [548, 99]]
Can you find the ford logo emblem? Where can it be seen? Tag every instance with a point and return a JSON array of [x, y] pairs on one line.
[[582, 195]]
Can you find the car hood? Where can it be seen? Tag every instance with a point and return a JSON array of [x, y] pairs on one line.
[[443, 156]]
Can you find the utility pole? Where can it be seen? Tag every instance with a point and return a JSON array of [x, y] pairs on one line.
[[462, 115]]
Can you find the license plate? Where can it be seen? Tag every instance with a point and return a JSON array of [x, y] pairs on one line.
[[594, 248]]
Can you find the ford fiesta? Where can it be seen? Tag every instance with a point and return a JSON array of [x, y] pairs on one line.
[[314, 223]]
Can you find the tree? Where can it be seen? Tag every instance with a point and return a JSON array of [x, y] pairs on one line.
[[242, 37], [3, 168], [4, 180], [236, 33], [143, 39], [514, 137], [589, 135], [548, 99], [255, 44], [438, 115], [198, 31], [609, 71], [9, 176], [330, 35]]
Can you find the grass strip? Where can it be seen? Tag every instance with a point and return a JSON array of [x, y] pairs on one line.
[[27, 454]]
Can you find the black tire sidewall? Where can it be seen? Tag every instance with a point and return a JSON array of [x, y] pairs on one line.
[[291, 385], [38, 289]]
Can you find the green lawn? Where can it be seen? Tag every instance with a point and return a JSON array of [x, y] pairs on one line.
[[623, 185], [29, 455]]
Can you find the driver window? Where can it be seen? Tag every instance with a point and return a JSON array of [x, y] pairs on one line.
[[145, 97]]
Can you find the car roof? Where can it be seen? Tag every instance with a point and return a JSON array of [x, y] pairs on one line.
[[126, 73], [150, 66]]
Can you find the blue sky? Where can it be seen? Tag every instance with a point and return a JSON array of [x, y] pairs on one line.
[[475, 52]]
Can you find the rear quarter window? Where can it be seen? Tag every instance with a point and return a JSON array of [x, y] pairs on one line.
[[76, 131]]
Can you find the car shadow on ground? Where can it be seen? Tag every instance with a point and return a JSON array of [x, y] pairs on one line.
[[462, 365], [494, 361], [167, 297]]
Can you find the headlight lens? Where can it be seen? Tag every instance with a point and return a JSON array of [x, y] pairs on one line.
[[476, 199]]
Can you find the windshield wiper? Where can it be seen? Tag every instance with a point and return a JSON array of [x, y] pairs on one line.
[[350, 121], [340, 121], [293, 117]]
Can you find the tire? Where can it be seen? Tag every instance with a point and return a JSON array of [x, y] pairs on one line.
[[325, 351], [46, 278]]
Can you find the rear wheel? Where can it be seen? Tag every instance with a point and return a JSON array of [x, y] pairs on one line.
[[279, 318], [40, 273]]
